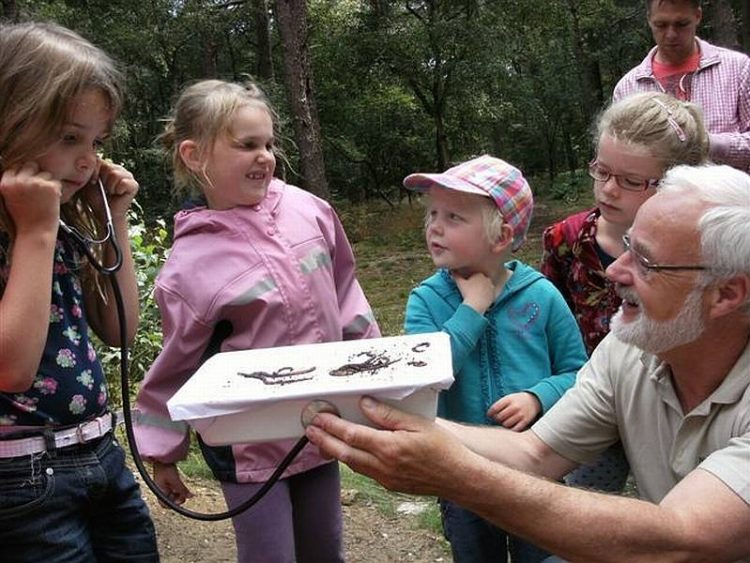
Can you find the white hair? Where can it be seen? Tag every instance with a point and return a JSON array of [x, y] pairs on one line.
[[725, 226]]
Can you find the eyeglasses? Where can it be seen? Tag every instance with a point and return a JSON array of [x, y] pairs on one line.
[[645, 266], [625, 182]]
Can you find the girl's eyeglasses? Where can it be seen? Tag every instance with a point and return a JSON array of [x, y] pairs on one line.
[[627, 183], [645, 266]]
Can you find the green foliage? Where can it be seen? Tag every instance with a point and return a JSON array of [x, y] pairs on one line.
[[150, 247], [370, 492], [195, 465], [391, 256], [400, 86]]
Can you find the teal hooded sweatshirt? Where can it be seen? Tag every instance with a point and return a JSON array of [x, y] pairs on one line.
[[527, 340]]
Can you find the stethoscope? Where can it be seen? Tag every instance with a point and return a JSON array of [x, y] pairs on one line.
[[86, 244]]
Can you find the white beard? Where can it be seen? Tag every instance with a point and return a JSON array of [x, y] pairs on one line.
[[656, 337]]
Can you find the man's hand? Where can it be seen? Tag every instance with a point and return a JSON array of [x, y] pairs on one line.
[[516, 410], [410, 454]]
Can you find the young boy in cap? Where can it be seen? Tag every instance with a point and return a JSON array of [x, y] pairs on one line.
[[516, 346]]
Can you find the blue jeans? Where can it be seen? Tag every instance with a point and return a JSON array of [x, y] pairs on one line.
[[475, 540], [76, 504]]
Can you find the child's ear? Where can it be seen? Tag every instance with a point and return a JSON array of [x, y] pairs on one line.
[[191, 155], [505, 239]]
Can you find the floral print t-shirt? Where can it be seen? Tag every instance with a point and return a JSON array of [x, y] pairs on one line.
[[69, 386]]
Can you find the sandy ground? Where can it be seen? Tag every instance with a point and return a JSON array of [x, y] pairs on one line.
[[370, 536]]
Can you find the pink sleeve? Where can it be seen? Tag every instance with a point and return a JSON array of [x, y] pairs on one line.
[[185, 339]]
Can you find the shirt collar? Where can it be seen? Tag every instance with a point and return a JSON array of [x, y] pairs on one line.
[[731, 390]]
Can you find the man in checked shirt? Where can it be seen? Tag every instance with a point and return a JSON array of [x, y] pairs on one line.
[[716, 79]]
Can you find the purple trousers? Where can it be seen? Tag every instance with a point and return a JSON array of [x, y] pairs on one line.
[[299, 520]]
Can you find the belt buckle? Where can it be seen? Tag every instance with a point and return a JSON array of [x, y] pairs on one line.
[[79, 430]]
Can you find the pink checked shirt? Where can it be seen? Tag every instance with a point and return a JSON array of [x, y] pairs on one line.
[[721, 86]]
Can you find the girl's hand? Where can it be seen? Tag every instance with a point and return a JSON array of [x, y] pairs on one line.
[[167, 477], [516, 410], [120, 186], [477, 290], [31, 197]]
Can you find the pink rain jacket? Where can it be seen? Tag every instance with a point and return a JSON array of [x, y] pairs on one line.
[[283, 273]]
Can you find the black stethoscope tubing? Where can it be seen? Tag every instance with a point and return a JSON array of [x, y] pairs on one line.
[[84, 244]]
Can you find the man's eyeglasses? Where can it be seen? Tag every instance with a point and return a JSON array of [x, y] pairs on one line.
[[645, 266], [627, 183]]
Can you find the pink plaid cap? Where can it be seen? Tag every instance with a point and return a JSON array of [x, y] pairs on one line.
[[490, 177]]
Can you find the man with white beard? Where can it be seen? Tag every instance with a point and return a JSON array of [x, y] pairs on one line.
[[672, 382]]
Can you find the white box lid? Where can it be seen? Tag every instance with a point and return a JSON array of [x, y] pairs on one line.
[[388, 368]]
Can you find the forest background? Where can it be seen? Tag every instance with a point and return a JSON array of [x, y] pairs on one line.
[[370, 91]]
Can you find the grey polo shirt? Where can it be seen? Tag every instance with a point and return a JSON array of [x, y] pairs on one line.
[[623, 393]]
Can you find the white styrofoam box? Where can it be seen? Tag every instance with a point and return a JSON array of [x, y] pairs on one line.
[[260, 395]]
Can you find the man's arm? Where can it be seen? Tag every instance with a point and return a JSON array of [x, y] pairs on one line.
[[520, 450], [414, 454], [731, 148], [700, 520]]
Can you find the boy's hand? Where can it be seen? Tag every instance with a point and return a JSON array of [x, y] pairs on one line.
[[120, 186], [31, 197], [516, 410], [477, 290], [167, 477]]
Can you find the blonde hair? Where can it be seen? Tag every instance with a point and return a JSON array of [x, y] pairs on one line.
[[43, 68], [492, 220], [671, 130], [203, 112]]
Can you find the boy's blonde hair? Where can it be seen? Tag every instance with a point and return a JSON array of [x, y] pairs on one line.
[[492, 220], [671, 130], [203, 112]]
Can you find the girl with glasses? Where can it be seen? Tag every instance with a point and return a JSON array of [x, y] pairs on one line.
[[637, 140]]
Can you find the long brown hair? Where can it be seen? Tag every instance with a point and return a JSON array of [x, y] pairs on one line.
[[43, 68]]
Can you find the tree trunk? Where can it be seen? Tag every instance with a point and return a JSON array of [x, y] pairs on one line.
[[439, 88], [441, 142], [746, 25], [381, 9], [723, 24], [10, 11], [263, 38], [210, 49], [588, 68], [293, 29]]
